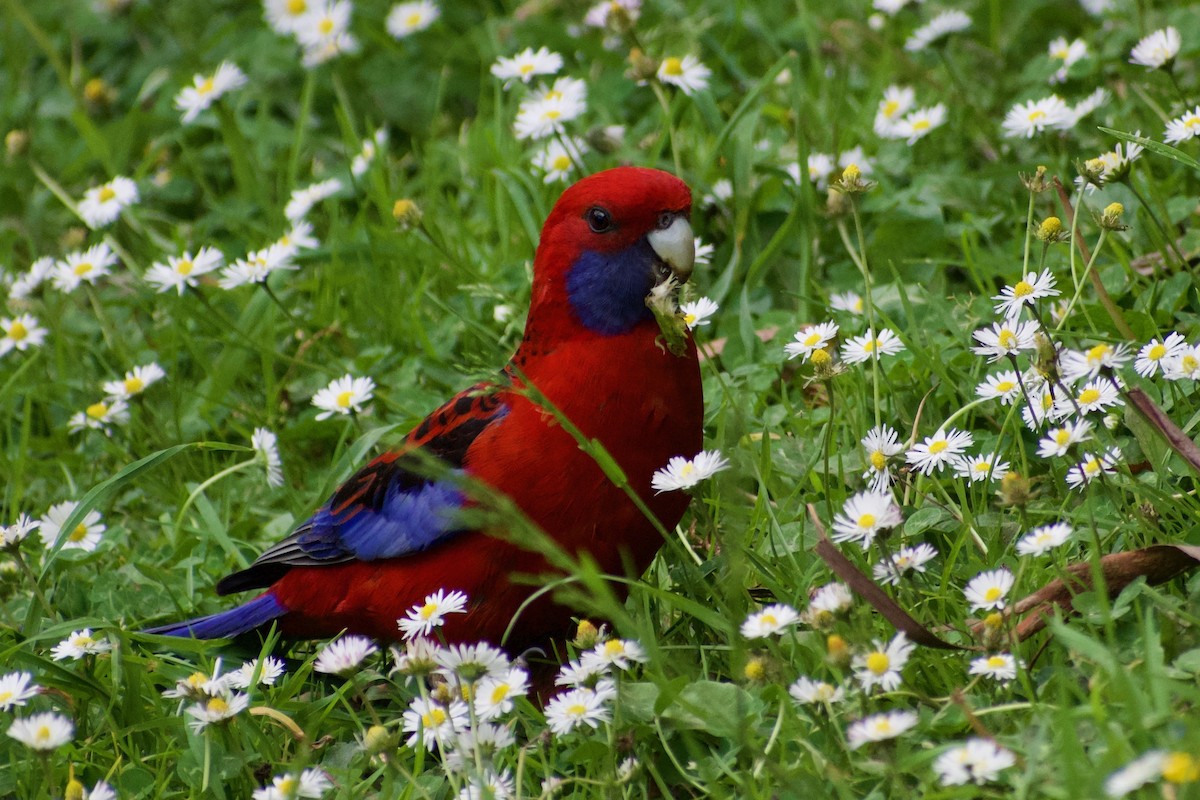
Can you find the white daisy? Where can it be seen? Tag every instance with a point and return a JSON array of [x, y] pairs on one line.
[[1005, 386], [526, 64], [619, 653], [1184, 127], [863, 517], [919, 123], [1005, 339], [882, 665], [988, 589], [1059, 440], [311, 783], [15, 689], [344, 655], [85, 535], [420, 620], [1087, 105], [304, 198], [207, 89], [698, 312], [878, 727], [1040, 541], [820, 166], [101, 416], [827, 602], [19, 530], [266, 446], [21, 333], [868, 346], [599, 15], [1000, 667], [433, 724], [136, 381], [470, 662], [938, 450], [243, 677], [101, 205], [86, 266], [544, 112], [27, 282], [1068, 53], [299, 237], [907, 559], [704, 252], [1025, 292], [976, 761], [1157, 50], [880, 444], [896, 102], [1036, 116], [1184, 364], [576, 708], [418, 658], [284, 15], [79, 644], [983, 467], [807, 691], [684, 473], [43, 732], [1093, 466], [1155, 354], [484, 740], [1095, 395], [406, 19], [366, 154], [849, 302], [257, 265], [495, 694], [324, 32], [345, 395], [559, 158], [770, 621], [688, 73], [811, 339], [943, 24], [182, 271], [216, 709]]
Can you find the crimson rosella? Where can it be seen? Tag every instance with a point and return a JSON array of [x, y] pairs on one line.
[[592, 348]]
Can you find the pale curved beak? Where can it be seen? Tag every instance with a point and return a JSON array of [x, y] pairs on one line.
[[676, 246]]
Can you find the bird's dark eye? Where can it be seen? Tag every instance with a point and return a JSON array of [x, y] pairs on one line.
[[665, 219], [599, 220]]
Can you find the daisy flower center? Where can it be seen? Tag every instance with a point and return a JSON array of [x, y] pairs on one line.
[[525, 68], [206, 87], [197, 679], [1092, 467], [434, 718], [1098, 353], [428, 610], [1037, 115], [217, 705], [83, 268], [343, 399], [938, 446], [17, 331], [1189, 363], [97, 410], [1044, 538], [134, 385], [878, 460], [673, 66], [883, 727], [995, 662], [185, 266], [106, 194], [687, 470], [5, 697], [982, 467], [614, 647], [1005, 386], [1181, 768], [78, 535], [43, 733], [689, 319], [812, 339], [1022, 289], [551, 114], [1007, 339], [325, 26], [500, 692], [561, 163], [890, 108], [821, 357], [288, 786], [1157, 352], [1089, 395], [866, 521], [993, 594], [577, 710], [768, 619], [296, 7], [1062, 437], [921, 124], [414, 20], [878, 663]]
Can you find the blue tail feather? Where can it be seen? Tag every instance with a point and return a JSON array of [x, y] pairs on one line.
[[245, 617]]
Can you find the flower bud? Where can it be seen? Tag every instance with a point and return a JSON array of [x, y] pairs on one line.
[[407, 213]]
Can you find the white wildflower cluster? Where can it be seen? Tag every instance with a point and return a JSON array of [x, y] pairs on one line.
[[821, 168], [899, 117]]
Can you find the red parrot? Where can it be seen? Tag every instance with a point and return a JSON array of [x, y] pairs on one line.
[[388, 536]]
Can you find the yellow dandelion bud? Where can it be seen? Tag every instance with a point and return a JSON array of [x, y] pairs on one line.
[[1051, 226], [755, 669], [851, 173], [1181, 768], [407, 213], [586, 635], [1110, 217], [837, 649], [993, 620]]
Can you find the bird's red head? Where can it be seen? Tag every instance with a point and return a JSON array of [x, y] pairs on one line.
[[609, 240]]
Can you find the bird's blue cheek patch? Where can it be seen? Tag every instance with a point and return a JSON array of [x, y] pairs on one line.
[[608, 290]]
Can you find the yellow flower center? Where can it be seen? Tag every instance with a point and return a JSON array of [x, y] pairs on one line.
[[1005, 386], [428, 610], [106, 194], [1157, 352], [97, 410], [995, 662], [1092, 467], [1098, 352], [134, 385], [185, 266], [525, 69], [288, 786], [1036, 115], [769, 620], [938, 446], [1007, 339], [1047, 401], [871, 345], [689, 319], [983, 466], [890, 108], [561, 163], [1088, 396], [43, 733], [576, 710], [878, 663], [414, 19], [343, 399], [687, 470], [878, 460], [993, 594], [821, 357], [78, 535], [296, 7], [921, 124], [812, 339], [217, 705], [206, 87], [83, 268], [196, 679], [1191, 122], [552, 114], [866, 521], [17, 331], [500, 692], [1062, 437], [993, 620], [883, 726], [5, 697], [325, 26], [433, 718], [1181, 768], [673, 67], [1022, 289], [614, 647]]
